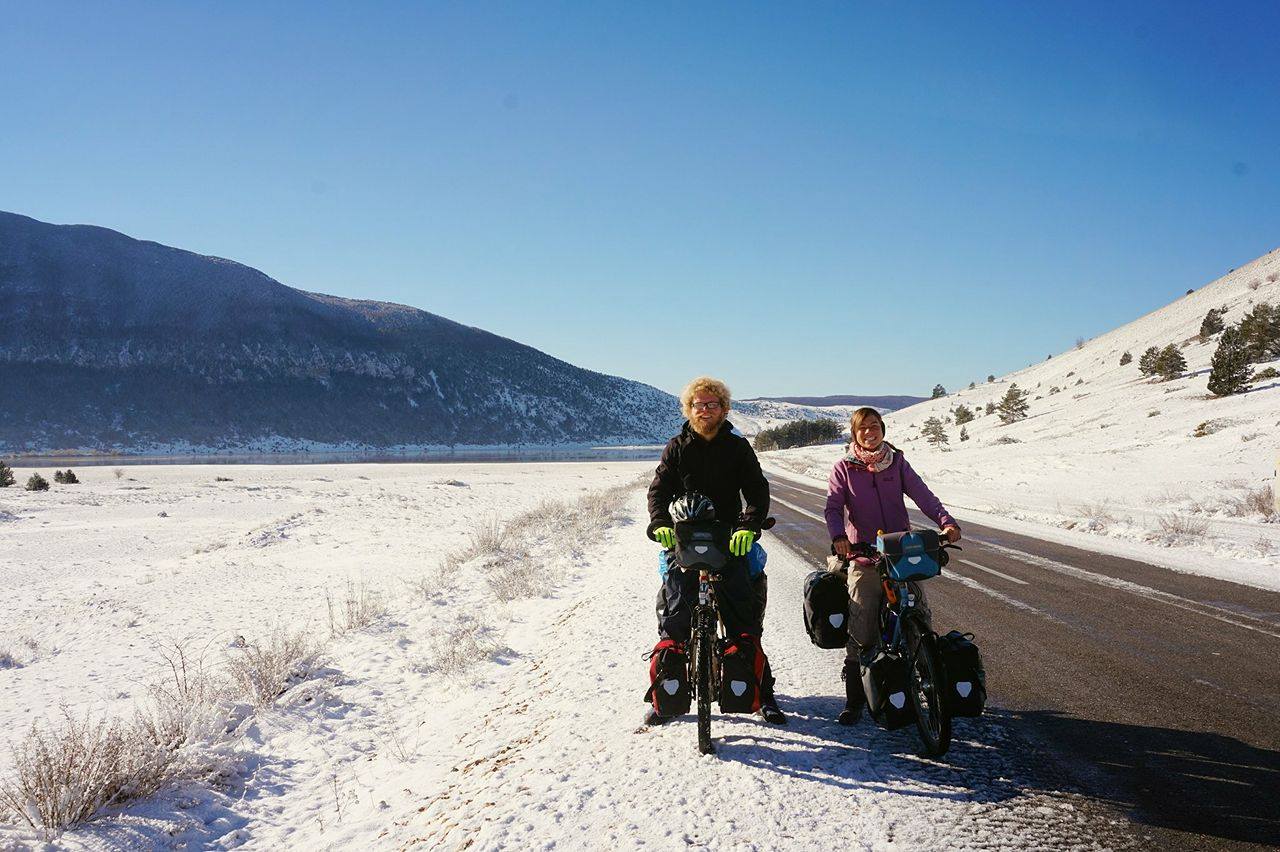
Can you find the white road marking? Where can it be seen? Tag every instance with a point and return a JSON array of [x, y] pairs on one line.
[[994, 571], [793, 507], [1224, 615], [971, 583]]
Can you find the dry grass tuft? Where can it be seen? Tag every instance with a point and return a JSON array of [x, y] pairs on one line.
[[457, 647], [1253, 501], [67, 771], [1181, 530], [359, 607], [260, 673]]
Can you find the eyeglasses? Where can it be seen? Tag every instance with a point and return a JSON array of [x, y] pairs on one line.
[[714, 405]]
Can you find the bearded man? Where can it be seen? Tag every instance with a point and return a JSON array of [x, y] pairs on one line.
[[708, 457]]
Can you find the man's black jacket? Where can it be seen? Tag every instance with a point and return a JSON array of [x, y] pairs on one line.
[[721, 468]]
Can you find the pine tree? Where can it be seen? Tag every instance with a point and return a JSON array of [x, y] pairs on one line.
[[964, 433], [37, 483], [963, 414], [1260, 330], [58, 477], [1229, 371], [972, 385], [69, 477], [6, 475], [990, 379], [1169, 363], [1013, 407], [933, 431], [1147, 363], [1125, 358], [991, 408], [1212, 323], [939, 390]]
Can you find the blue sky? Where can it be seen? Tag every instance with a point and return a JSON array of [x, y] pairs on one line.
[[800, 198]]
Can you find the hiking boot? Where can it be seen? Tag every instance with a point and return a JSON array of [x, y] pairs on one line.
[[854, 698], [771, 714], [768, 704], [653, 719]]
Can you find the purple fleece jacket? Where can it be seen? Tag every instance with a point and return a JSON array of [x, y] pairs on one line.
[[874, 500]]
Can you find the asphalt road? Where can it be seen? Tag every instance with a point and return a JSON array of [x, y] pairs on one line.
[[1155, 692]]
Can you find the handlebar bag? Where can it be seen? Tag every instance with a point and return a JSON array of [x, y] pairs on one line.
[[826, 609], [885, 681], [912, 555], [966, 678], [700, 544]]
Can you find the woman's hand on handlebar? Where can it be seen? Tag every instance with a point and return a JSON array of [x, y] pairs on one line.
[[843, 548], [952, 533]]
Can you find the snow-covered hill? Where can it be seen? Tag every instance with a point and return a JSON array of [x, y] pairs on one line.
[[1162, 468], [751, 416]]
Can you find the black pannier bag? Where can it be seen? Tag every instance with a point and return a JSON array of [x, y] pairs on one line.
[[912, 555], [966, 679], [885, 681], [669, 691], [741, 669], [826, 609]]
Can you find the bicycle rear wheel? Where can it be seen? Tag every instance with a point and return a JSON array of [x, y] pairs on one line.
[[928, 691], [704, 637]]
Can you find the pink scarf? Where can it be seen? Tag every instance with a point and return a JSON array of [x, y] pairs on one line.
[[876, 460]]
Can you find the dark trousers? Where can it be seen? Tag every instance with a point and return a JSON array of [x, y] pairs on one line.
[[741, 602], [735, 598]]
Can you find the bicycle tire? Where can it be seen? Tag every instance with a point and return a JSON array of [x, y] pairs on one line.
[[928, 691], [702, 682]]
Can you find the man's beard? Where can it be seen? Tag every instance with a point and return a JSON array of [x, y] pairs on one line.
[[708, 431]]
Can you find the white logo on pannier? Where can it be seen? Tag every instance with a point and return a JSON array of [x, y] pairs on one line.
[[670, 686], [700, 548], [898, 700], [739, 687], [964, 688], [914, 559], [836, 620]]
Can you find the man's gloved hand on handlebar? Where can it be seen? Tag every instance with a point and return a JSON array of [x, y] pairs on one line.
[[665, 536], [740, 542]]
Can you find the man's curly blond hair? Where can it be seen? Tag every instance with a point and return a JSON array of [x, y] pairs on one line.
[[703, 384]]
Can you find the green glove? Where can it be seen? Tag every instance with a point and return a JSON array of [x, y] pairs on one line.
[[665, 536], [741, 541]]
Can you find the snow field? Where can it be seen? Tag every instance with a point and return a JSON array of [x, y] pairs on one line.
[[113, 573], [451, 717]]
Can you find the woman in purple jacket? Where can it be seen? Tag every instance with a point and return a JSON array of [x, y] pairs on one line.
[[868, 486]]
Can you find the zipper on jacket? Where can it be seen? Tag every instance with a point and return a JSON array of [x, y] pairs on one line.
[[879, 502]]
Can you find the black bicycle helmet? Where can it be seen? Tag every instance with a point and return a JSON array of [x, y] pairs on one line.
[[692, 506]]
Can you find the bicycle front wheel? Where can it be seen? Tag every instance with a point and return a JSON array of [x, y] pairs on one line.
[[928, 690], [704, 634]]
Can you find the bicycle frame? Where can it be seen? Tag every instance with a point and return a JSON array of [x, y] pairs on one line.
[[900, 603], [704, 547]]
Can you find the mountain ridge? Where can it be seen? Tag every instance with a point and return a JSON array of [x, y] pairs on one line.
[[113, 343]]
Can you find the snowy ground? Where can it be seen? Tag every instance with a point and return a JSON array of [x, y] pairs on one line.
[[491, 700]]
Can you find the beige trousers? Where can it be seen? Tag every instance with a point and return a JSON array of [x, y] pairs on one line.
[[864, 606]]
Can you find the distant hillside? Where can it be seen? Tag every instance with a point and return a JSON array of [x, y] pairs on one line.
[[112, 343], [1161, 468], [755, 415], [887, 403]]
